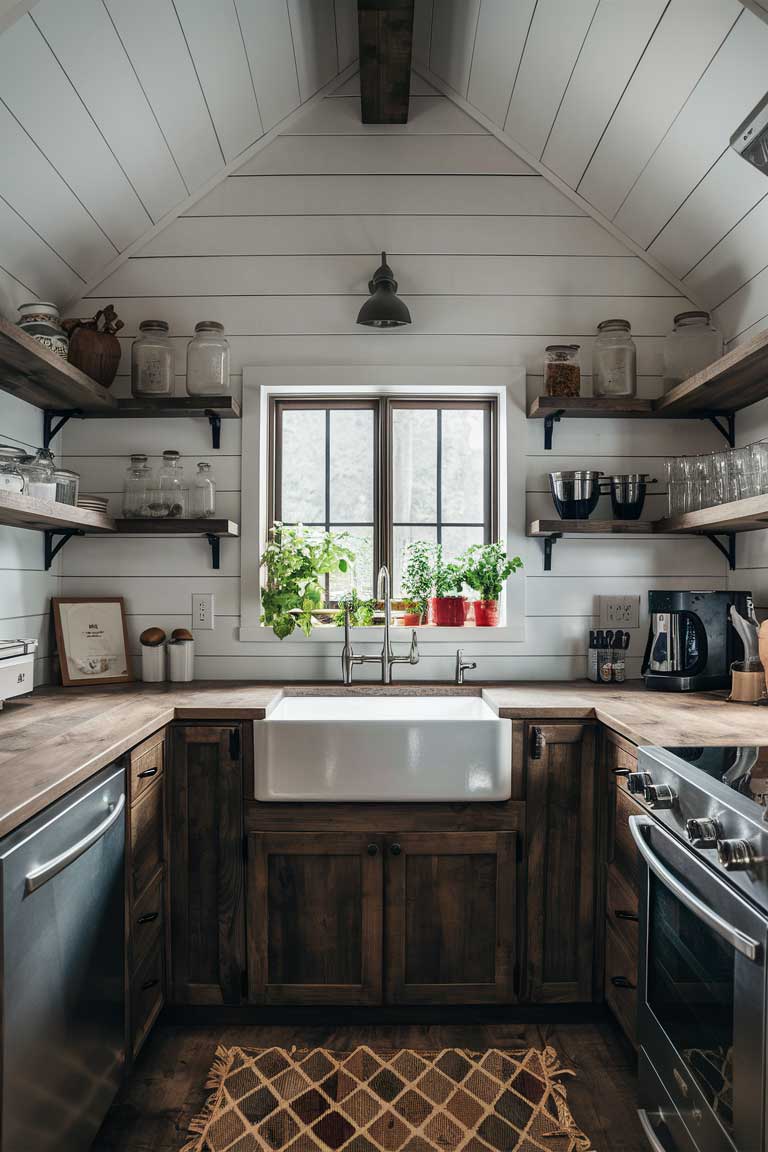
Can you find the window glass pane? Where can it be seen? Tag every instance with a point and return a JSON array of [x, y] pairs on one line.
[[402, 537], [303, 466], [360, 574], [352, 465], [414, 467], [456, 540], [463, 465]]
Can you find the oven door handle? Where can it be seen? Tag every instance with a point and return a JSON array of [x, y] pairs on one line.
[[737, 939], [648, 1132]]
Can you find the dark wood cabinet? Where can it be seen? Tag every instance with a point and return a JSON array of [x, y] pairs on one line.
[[315, 907], [207, 881], [450, 916], [560, 861]]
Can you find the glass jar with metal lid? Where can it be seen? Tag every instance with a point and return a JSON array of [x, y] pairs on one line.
[[693, 344], [67, 486], [152, 360], [12, 478], [614, 360], [562, 373], [40, 473], [208, 360]]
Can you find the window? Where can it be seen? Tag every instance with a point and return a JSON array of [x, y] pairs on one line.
[[385, 471]]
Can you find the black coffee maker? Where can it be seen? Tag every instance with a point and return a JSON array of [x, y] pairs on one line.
[[691, 641]]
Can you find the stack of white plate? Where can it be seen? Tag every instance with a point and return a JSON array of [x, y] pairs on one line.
[[92, 503]]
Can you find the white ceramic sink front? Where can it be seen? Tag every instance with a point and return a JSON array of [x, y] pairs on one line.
[[382, 748]]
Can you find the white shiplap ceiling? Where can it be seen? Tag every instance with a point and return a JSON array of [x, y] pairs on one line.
[[115, 113]]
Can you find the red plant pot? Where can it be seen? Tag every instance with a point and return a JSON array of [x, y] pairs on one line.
[[487, 613], [469, 610], [410, 619], [447, 611]]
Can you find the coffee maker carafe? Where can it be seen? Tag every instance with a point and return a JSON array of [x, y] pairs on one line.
[[691, 641]]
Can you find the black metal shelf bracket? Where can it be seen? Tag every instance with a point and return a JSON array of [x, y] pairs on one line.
[[215, 422], [51, 550], [53, 422], [548, 543], [728, 547], [725, 424], [549, 424], [215, 543]]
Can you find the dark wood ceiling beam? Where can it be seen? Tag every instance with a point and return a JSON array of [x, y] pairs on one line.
[[386, 38]]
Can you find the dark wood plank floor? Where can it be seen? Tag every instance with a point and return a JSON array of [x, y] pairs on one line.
[[167, 1086]]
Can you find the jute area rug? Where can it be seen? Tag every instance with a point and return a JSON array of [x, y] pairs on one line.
[[270, 1100]]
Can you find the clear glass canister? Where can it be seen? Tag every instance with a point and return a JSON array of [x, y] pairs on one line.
[[152, 360], [693, 344], [169, 495], [203, 491], [40, 473], [614, 363], [137, 487], [11, 473], [67, 486], [562, 373], [208, 360]]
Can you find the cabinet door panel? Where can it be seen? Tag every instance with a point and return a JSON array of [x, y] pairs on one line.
[[450, 917], [314, 918]]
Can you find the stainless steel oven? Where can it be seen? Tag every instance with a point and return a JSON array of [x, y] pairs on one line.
[[702, 1000]]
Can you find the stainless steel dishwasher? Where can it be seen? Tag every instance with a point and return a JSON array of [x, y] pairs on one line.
[[63, 1033]]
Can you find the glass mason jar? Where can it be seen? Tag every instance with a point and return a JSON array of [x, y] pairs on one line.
[[41, 321], [137, 487], [152, 360], [562, 373], [208, 360], [203, 491], [693, 344], [11, 474], [169, 494], [614, 364], [67, 486], [40, 473]]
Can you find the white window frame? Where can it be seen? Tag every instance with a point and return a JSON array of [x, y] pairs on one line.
[[505, 385]]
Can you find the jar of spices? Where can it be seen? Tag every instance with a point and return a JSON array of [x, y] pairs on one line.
[[169, 496], [152, 360], [40, 473], [67, 486], [562, 374], [11, 474], [693, 344], [41, 321], [208, 360], [203, 491], [614, 368], [137, 487]]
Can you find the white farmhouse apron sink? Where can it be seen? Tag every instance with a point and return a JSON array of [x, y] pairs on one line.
[[382, 748]]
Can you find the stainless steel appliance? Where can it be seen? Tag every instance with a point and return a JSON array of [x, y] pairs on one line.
[[63, 1047], [17, 668], [575, 494], [628, 494], [691, 641], [702, 992]]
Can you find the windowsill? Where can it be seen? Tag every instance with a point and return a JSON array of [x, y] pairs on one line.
[[427, 634]]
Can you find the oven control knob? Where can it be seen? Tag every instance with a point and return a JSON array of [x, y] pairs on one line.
[[735, 855], [660, 795], [703, 833], [637, 782]]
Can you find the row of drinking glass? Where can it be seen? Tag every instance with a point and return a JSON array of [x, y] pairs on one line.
[[716, 478]]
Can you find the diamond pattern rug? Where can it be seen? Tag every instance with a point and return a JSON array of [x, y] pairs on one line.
[[273, 1100]]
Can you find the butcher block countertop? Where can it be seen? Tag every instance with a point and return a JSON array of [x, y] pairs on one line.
[[54, 739]]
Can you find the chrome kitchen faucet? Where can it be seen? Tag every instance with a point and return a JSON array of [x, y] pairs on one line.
[[387, 658]]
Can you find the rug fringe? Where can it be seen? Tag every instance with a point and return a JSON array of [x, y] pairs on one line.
[[197, 1126]]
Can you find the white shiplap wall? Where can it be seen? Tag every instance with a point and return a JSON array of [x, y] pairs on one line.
[[494, 263]]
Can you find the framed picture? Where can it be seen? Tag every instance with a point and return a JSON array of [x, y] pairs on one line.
[[92, 639]]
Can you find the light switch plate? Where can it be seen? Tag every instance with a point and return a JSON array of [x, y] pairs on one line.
[[202, 610], [619, 611]]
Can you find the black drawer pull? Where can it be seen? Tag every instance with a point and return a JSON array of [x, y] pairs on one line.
[[148, 772], [622, 982], [622, 914], [149, 984], [538, 744], [395, 849], [372, 849], [148, 917]]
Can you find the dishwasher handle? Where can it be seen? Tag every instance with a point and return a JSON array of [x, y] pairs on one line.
[[45, 872]]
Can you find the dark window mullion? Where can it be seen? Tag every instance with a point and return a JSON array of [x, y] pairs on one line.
[[327, 491], [439, 486]]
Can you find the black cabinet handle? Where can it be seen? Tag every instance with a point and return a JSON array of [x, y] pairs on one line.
[[395, 849], [372, 849], [148, 917], [538, 743], [148, 772], [622, 914], [622, 982], [149, 984]]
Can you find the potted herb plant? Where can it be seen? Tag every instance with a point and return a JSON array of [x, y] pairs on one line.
[[361, 612], [417, 582], [295, 561], [446, 605], [486, 569]]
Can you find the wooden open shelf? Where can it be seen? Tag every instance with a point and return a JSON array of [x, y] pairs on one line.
[[27, 512], [42, 378], [748, 515], [225, 407], [590, 407], [590, 527], [169, 526]]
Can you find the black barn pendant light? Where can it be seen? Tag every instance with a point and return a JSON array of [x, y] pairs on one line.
[[384, 309]]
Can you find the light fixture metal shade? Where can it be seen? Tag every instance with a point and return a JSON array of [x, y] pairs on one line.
[[384, 308]]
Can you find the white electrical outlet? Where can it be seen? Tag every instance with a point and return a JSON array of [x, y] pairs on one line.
[[619, 611], [202, 610]]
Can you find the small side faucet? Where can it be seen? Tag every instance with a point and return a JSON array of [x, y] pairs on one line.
[[463, 666], [387, 657]]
